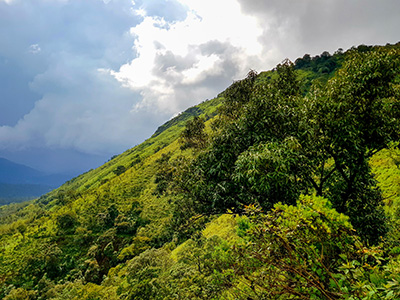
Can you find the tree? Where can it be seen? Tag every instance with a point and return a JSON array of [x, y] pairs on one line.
[[119, 170], [194, 136], [271, 172], [358, 114], [164, 174], [250, 114], [66, 223], [298, 252], [235, 98]]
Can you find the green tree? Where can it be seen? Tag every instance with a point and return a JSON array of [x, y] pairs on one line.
[[164, 173], [295, 252], [358, 114], [250, 114], [66, 223], [119, 170], [271, 171], [194, 136], [236, 97]]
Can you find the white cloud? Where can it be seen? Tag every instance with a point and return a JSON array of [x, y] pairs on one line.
[[171, 64], [34, 48], [223, 20], [7, 1]]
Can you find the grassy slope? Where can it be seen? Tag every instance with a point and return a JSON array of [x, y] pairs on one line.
[[386, 167], [25, 228], [30, 234]]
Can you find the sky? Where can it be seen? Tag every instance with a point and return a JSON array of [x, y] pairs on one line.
[[82, 80]]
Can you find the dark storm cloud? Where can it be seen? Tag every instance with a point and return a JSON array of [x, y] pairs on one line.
[[16, 98], [53, 94], [36, 34], [294, 28]]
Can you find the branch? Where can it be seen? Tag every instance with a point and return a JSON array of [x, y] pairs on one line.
[[328, 175]]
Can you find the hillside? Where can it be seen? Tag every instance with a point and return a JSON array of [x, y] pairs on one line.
[[285, 186]]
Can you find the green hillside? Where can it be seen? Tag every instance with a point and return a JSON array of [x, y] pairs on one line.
[[285, 186]]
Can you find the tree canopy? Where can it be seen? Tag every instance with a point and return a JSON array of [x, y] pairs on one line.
[[276, 144]]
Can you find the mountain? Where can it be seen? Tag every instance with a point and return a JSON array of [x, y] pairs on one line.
[[285, 186], [19, 182], [11, 172], [21, 192]]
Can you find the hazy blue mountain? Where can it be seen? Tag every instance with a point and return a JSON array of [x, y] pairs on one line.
[[11, 172], [19, 182]]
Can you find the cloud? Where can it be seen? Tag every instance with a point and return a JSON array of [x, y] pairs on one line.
[[53, 94], [95, 77], [34, 48], [177, 59], [7, 1], [293, 28], [84, 110]]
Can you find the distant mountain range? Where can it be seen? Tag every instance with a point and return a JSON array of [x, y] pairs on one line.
[[19, 182]]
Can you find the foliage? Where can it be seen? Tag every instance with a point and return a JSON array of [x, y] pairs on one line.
[[321, 64], [119, 170], [161, 222], [193, 136], [308, 251], [295, 251], [272, 144]]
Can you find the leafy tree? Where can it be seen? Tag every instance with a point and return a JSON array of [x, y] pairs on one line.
[[111, 215], [20, 294], [143, 271], [164, 174], [250, 114], [102, 256], [302, 252], [358, 115], [236, 96], [66, 222], [194, 136], [271, 171], [119, 170]]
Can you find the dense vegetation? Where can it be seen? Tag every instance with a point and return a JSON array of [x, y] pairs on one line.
[[285, 186]]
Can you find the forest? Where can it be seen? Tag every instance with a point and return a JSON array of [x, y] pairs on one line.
[[284, 186]]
